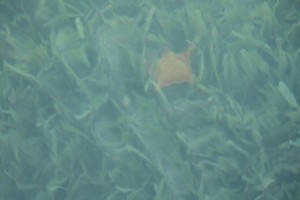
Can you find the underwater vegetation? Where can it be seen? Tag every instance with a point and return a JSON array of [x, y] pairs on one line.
[[149, 99]]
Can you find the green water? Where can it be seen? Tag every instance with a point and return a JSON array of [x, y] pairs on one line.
[[81, 119]]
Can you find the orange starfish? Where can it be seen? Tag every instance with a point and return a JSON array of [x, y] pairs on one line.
[[172, 68]]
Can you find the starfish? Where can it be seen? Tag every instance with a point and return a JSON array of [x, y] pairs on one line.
[[172, 68]]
